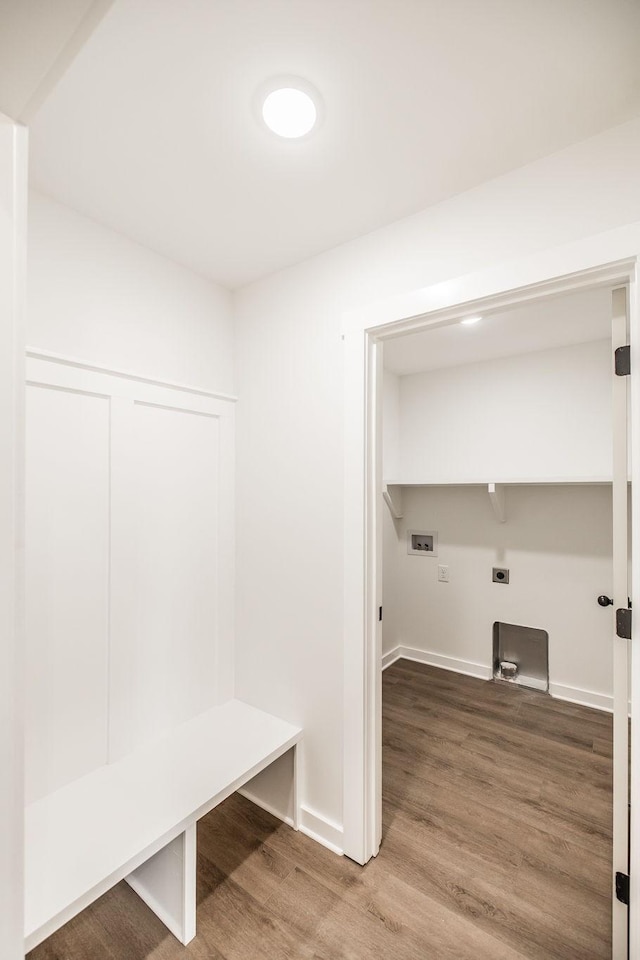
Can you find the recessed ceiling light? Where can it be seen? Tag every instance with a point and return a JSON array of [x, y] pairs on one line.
[[471, 320], [289, 112]]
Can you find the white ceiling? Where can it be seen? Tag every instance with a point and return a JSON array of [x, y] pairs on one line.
[[578, 318], [152, 131]]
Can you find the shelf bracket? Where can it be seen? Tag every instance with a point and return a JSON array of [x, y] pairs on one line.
[[392, 494], [496, 495]]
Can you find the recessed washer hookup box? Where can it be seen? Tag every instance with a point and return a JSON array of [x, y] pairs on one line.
[[422, 543]]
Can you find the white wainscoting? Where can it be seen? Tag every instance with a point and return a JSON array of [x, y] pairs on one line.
[[67, 580], [130, 560]]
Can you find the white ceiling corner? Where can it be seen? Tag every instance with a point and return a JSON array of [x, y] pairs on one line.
[[38, 42]]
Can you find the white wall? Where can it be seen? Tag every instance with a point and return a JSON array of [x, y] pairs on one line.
[[390, 426], [557, 545], [535, 416], [290, 454], [95, 295]]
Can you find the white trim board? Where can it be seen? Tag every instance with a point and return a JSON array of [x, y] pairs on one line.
[[322, 830], [34, 354], [13, 243], [455, 664], [587, 698]]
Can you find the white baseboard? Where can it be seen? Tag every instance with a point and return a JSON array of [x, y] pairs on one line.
[[587, 698], [390, 657], [324, 831], [267, 807], [468, 667], [312, 824], [531, 682]]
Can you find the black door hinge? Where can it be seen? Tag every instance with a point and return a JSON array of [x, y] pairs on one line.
[[623, 623], [623, 361], [379, 613], [622, 887]]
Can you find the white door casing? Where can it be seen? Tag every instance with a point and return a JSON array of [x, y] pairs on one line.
[[620, 646], [609, 259], [13, 185]]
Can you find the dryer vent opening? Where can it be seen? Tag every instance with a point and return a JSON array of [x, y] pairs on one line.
[[521, 655]]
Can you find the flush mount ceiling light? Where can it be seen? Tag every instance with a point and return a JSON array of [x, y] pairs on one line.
[[289, 106], [289, 112], [471, 320]]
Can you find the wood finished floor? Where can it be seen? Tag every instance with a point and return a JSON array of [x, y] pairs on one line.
[[497, 837]]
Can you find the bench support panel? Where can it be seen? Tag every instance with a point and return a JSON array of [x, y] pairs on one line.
[[167, 884]]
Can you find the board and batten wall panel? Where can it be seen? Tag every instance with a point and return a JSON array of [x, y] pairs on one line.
[[535, 416], [67, 571], [556, 543], [176, 569], [130, 563]]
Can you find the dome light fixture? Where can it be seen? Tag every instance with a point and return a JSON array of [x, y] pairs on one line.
[[290, 107], [289, 113]]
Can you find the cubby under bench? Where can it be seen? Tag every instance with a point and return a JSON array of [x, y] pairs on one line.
[[135, 819]]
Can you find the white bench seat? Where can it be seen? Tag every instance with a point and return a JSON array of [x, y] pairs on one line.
[[94, 832]]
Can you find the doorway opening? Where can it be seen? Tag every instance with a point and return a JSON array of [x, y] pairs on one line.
[[494, 440]]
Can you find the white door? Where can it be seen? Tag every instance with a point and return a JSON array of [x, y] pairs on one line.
[[620, 643]]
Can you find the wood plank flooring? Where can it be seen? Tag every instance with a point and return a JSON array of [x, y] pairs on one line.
[[497, 846]]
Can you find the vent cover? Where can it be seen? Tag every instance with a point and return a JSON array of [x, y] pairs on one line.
[[527, 650]]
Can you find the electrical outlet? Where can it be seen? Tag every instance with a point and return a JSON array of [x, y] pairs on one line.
[[443, 573]]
